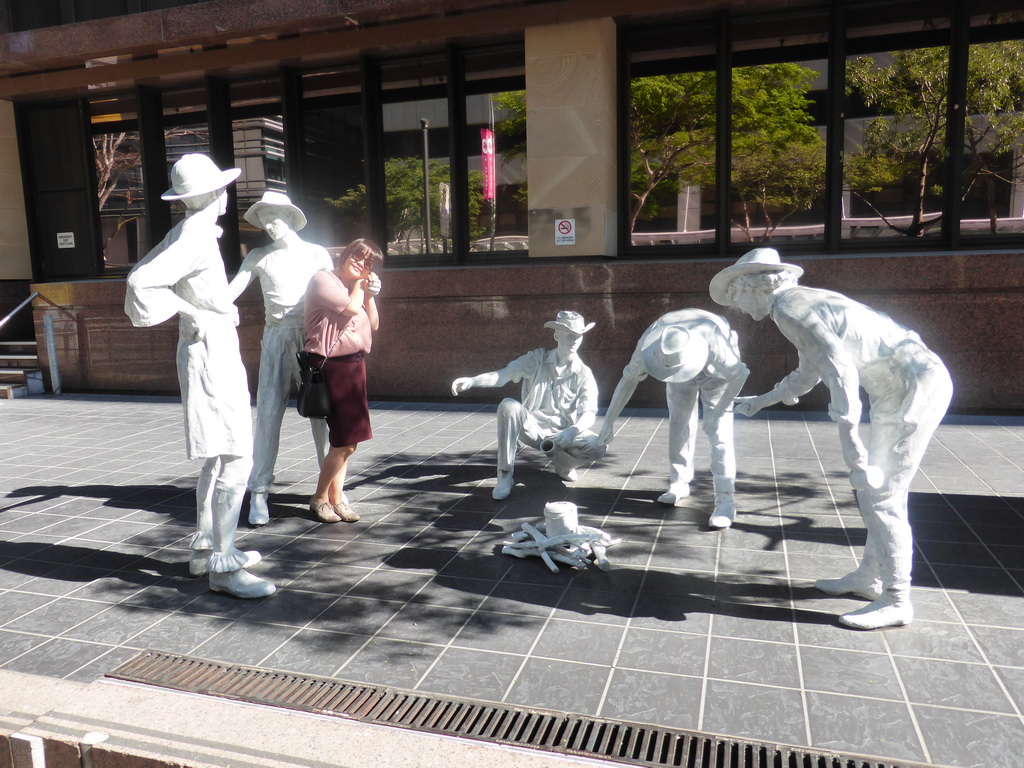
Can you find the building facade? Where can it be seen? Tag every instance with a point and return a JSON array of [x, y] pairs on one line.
[[518, 158]]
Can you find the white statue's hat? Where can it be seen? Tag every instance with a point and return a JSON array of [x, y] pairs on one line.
[[569, 321], [279, 200], [672, 354], [195, 174], [757, 261]]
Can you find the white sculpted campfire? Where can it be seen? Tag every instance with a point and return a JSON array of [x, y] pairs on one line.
[[561, 539]]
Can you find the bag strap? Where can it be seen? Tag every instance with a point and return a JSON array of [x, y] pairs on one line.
[[331, 350]]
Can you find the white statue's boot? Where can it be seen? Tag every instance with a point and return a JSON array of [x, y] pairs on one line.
[[241, 583], [892, 609], [201, 543], [675, 493], [259, 512], [866, 579], [199, 562], [227, 563], [854, 583], [503, 487], [725, 511]]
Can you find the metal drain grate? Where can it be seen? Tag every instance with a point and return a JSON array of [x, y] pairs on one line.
[[592, 737]]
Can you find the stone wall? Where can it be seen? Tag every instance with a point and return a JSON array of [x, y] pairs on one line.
[[441, 323]]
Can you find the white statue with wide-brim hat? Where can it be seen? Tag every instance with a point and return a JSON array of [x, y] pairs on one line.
[[848, 345], [283, 269], [558, 404], [697, 355], [184, 275]]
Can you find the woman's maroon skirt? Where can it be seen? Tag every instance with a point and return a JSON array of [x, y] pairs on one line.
[[349, 422]]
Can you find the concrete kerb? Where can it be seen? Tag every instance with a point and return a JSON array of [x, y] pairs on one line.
[[51, 723]]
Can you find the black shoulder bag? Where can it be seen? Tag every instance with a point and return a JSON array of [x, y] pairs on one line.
[[314, 401]]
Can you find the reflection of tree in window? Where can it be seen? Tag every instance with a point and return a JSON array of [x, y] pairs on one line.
[[118, 161], [403, 179], [672, 140], [993, 129], [896, 170], [778, 156]]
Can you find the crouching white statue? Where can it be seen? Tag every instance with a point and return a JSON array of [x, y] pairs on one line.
[[848, 345], [559, 404], [697, 356], [184, 275]]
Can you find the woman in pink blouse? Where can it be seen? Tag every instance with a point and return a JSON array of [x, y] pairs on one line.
[[340, 317]]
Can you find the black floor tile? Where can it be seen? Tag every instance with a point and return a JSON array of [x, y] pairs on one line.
[[472, 674], [972, 739], [850, 672], [753, 661], [306, 651], [505, 632], [677, 653], [863, 726], [579, 641], [754, 712], [561, 685], [952, 684], [58, 657], [390, 662], [934, 640], [650, 697]]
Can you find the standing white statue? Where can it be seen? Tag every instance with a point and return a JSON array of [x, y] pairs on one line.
[[559, 404], [184, 275], [696, 354], [847, 346], [284, 269]]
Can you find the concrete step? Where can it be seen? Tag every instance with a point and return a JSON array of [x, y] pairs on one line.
[[11, 391], [13, 361], [21, 382]]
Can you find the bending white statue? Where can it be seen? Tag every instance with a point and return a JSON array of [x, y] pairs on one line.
[[184, 275], [559, 404], [848, 345], [696, 354], [284, 269]]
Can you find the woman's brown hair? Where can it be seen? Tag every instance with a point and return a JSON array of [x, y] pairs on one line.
[[364, 244]]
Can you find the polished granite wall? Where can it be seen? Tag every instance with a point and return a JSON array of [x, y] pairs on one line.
[[437, 324]]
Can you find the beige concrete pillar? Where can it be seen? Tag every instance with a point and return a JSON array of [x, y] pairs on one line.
[[15, 260], [570, 135]]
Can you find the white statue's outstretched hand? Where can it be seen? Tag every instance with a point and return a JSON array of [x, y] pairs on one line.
[[372, 284], [461, 384], [867, 478], [748, 406]]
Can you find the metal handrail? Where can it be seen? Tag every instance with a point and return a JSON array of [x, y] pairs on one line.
[[18, 308], [51, 346]]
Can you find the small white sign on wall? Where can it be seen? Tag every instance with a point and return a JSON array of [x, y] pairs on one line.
[[565, 231], [65, 239]]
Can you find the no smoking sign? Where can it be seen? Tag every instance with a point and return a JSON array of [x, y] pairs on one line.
[[565, 231]]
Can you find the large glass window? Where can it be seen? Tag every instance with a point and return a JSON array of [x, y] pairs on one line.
[[117, 159], [895, 143], [993, 176], [415, 154], [778, 128], [257, 131], [495, 141], [895, 127], [670, 136], [334, 170], [777, 181]]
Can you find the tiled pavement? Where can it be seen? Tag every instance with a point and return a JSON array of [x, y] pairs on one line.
[[695, 629]]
